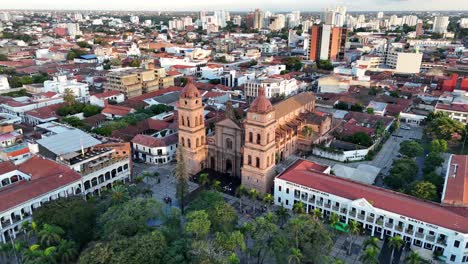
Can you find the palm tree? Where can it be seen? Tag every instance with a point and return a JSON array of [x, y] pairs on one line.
[[371, 242], [268, 199], [317, 214], [370, 256], [216, 185], [283, 215], [119, 194], [298, 208], [413, 258], [67, 251], [147, 192], [353, 231], [69, 97], [5, 250], [34, 254], [240, 192], [295, 256], [395, 244], [203, 179], [50, 235], [254, 195], [334, 219]]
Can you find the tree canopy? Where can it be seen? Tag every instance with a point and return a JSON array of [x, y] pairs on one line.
[[411, 148]]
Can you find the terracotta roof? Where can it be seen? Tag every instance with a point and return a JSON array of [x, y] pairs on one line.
[[45, 112], [261, 104], [451, 218], [453, 107], [456, 189], [190, 90], [46, 176], [117, 110], [152, 142]]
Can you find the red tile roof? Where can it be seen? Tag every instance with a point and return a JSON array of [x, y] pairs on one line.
[[453, 107], [456, 189], [46, 176], [117, 110], [452, 218], [153, 142], [45, 112]]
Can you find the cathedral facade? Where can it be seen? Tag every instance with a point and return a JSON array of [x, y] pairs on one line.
[[249, 148]]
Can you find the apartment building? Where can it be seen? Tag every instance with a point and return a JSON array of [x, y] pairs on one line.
[[456, 111], [155, 150], [132, 82], [382, 213], [272, 86], [327, 43]]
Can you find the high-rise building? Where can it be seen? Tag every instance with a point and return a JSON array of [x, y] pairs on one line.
[[327, 42], [135, 20], [237, 20], [380, 15], [335, 17], [259, 150], [419, 28], [192, 128], [440, 24], [410, 20], [259, 17]]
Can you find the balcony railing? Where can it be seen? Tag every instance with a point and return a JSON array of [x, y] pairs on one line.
[[442, 241], [335, 208], [319, 203], [102, 165], [352, 213], [430, 238], [389, 225], [409, 231], [327, 205], [419, 235], [360, 216], [311, 200], [379, 222], [399, 228], [370, 219], [344, 210], [6, 223]]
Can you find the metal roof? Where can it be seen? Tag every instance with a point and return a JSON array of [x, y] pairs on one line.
[[68, 141]]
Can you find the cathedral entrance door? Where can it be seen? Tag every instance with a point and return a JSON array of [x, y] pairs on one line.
[[229, 166]]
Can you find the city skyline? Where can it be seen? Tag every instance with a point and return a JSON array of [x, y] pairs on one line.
[[243, 5]]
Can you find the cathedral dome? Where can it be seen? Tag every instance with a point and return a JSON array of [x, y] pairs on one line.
[[190, 90], [261, 104]]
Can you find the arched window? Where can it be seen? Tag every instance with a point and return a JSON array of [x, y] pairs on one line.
[[257, 162], [250, 137], [201, 120], [182, 141], [188, 121], [202, 140], [189, 144], [259, 139], [249, 160], [196, 121], [197, 142], [228, 143], [183, 120]]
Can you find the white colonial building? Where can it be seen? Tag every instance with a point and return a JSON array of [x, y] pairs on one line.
[[61, 84], [383, 213], [273, 87], [156, 149]]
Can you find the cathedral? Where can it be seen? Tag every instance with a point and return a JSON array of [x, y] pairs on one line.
[[249, 148]]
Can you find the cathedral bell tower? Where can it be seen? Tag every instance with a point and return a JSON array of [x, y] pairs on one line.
[[192, 134], [260, 147]]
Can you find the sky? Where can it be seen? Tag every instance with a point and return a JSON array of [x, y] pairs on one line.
[[237, 5]]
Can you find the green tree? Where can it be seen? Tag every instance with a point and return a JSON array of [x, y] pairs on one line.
[[402, 173], [50, 235], [371, 242], [90, 110], [181, 175], [130, 218], [424, 190], [411, 148], [295, 256], [370, 256], [198, 224], [298, 208], [282, 215], [439, 146], [354, 230], [360, 138], [216, 185], [268, 200], [370, 110], [240, 192], [432, 161], [253, 194], [441, 126], [395, 243], [69, 97], [74, 215], [414, 258], [293, 63], [67, 251]]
